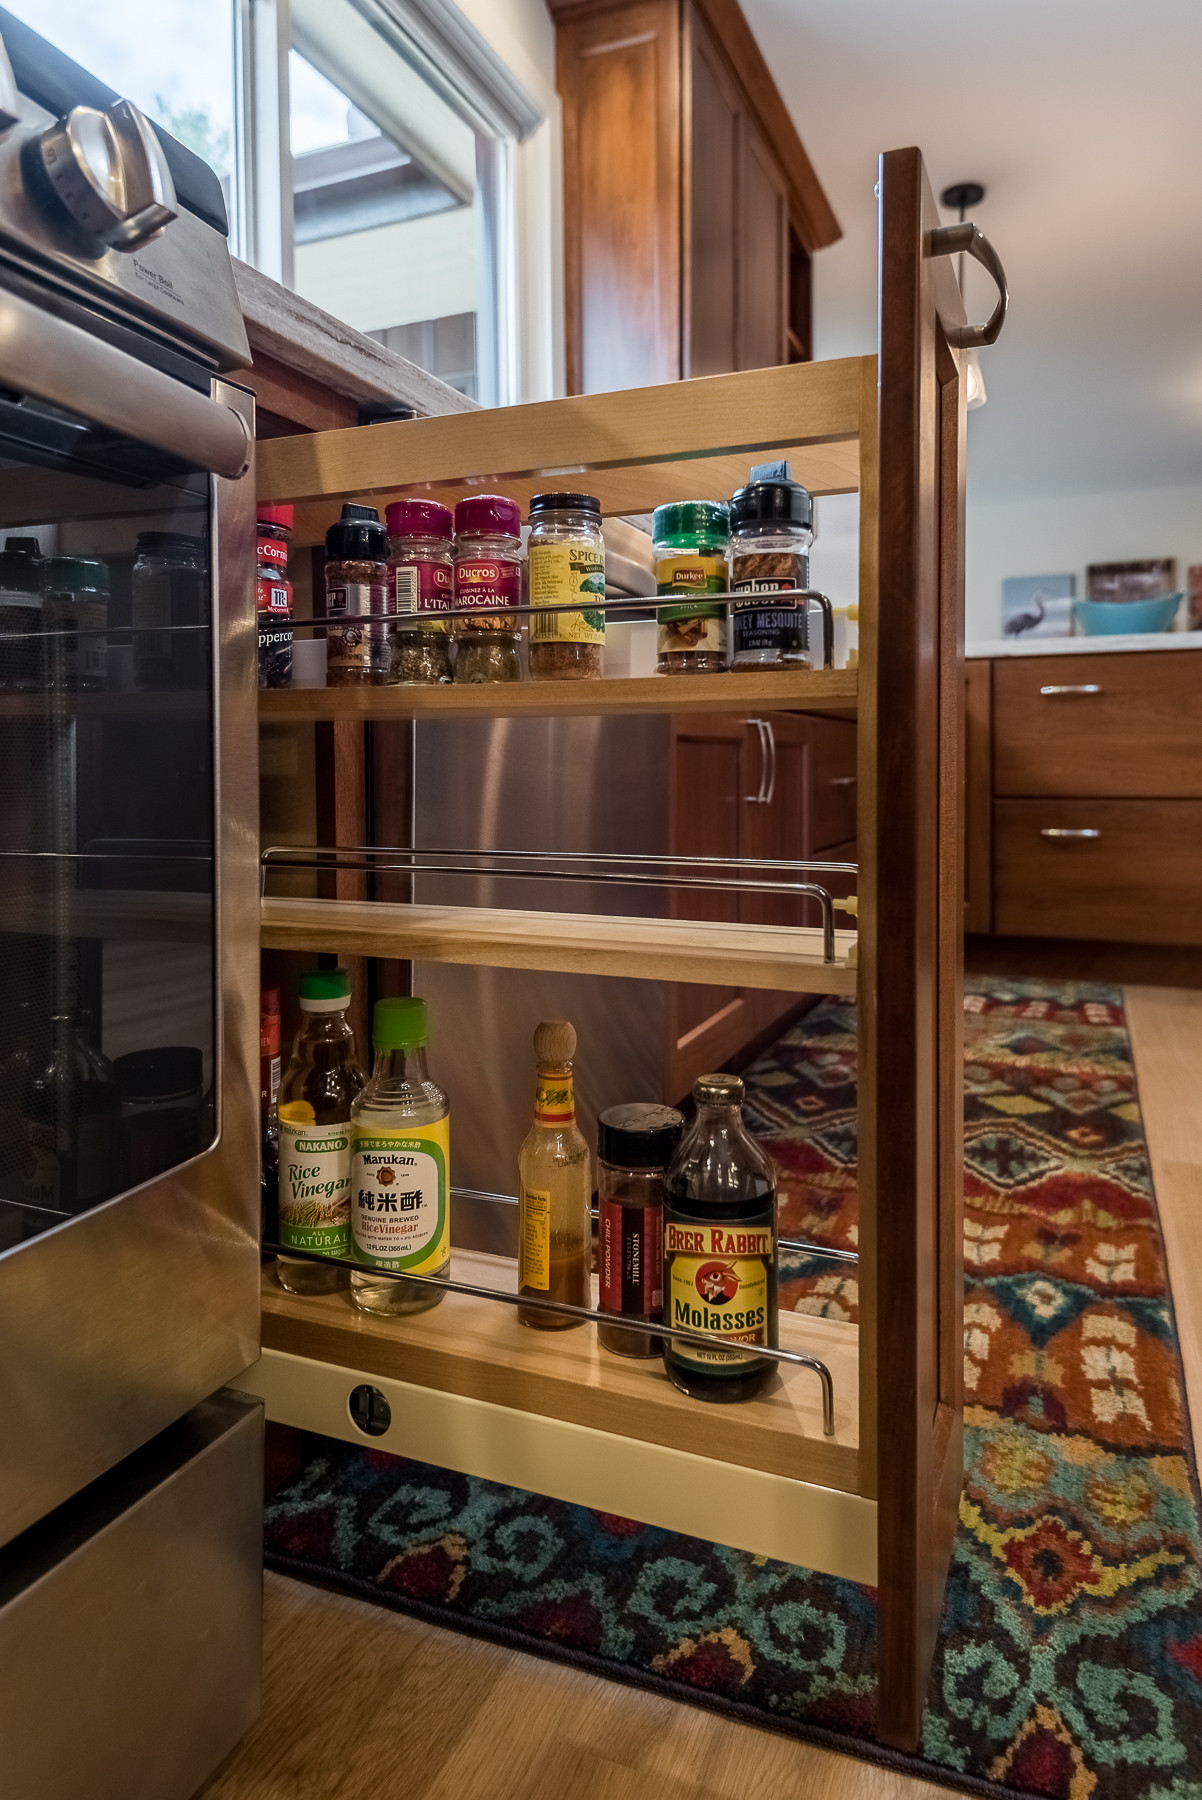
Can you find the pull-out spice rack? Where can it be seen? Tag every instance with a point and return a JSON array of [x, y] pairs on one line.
[[874, 1498]]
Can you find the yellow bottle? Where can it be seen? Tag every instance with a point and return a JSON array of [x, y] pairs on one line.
[[555, 1230]]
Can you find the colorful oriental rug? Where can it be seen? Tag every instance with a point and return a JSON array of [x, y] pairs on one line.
[[1070, 1654]]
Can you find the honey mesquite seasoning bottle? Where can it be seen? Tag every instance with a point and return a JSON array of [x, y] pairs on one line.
[[720, 1249], [555, 1228]]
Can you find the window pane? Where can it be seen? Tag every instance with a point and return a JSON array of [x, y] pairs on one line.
[[385, 202]]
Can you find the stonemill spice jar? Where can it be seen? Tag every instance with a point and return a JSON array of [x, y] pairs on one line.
[[689, 545], [488, 574], [359, 635], [566, 554], [771, 530], [421, 581], [635, 1144]]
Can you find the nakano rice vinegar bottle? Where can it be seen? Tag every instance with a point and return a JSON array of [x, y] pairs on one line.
[[321, 1082]]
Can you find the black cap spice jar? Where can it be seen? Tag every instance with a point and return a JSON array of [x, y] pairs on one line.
[[359, 637], [771, 530]]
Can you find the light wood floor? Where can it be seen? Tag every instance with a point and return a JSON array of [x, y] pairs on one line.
[[363, 1704]]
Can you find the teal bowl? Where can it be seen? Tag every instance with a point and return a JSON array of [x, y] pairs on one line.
[[1109, 618]]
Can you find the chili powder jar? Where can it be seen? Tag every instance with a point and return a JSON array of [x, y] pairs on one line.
[[488, 573], [359, 636], [771, 530], [635, 1144], [689, 546], [566, 553], [273, 533], [421, 585]]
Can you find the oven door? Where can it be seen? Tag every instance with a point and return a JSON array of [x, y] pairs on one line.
[[129, 1181]]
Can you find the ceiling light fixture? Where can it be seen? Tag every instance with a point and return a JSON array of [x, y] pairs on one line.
[[961, 195]]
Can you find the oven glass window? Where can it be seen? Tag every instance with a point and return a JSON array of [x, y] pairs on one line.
[[107, 866]]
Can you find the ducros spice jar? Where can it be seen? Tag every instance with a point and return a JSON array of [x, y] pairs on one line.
[[771, 530], [488, 574], [566, 554], [689, 546], [359, 635], [635, 1144], [421, 582], [273, 533]]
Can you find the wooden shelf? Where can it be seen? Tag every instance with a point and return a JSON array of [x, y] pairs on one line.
[[752, 956], [685, 440], [477, 1348], [49, 703], [114, 915], [813, 690]]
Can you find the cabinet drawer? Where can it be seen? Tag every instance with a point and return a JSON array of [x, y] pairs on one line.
[[1111, 725], [1137, 881], [833, 782]]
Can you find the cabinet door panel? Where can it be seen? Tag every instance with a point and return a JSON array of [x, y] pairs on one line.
[[833, 801], [763, 233], [777, 826], [712, 209]]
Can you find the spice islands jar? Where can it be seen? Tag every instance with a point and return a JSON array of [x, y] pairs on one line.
[[359, 637], [771, 530], [689, 546], [488, 574], [566, 553], [421, 583]]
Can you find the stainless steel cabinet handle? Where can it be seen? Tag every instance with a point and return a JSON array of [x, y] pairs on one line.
[[771, 762], [1081, 687], [954, 240], [1064, 832], [842, 781], [759, 797], [56, 361]]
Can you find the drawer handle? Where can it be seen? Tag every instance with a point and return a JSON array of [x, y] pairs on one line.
[[842, 781], [1064, 833], [1084, 687]]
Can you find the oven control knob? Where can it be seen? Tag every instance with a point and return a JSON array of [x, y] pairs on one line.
[[109, 172]]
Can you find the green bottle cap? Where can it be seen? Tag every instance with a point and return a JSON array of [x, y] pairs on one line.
[[700, 521], [400, 1023], [74, 574], [325, 986]]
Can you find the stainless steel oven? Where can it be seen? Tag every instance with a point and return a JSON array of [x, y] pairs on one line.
[[128, 823]]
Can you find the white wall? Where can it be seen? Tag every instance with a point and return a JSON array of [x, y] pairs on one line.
[[1060, 535]]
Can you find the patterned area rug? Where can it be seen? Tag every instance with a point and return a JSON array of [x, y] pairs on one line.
[[1070, 1653]]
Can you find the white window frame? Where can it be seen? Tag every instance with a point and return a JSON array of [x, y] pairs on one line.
[[437, 39]]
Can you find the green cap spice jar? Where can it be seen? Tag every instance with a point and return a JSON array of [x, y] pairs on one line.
[[690, 539]]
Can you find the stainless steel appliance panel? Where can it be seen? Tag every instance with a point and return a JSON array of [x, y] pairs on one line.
[[117, 1321], [131, 1620]]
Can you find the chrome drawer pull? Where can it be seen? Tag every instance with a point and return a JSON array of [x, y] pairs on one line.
[[1061, 832], [1085, 687]]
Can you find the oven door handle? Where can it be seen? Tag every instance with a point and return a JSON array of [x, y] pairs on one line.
[[56, 361]]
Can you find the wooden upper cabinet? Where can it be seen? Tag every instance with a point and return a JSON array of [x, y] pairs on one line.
[[691, 209]]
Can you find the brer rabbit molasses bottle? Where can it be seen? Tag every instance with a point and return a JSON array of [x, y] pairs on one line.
[[720, 1249]]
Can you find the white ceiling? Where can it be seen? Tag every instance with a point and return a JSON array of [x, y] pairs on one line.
[[1083, 120]]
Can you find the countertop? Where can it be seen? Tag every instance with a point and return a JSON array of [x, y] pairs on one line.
[[1086, 646]]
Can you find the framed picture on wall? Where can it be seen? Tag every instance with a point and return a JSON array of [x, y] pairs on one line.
[[1131, 580], [1037, 606]]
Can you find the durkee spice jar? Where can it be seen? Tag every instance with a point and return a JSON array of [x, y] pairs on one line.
[[689, 545], [488, 574], [169, 609], [771, 530], [566, 553], [421, 581], [634, 1146], [273, 533], [359, 637]]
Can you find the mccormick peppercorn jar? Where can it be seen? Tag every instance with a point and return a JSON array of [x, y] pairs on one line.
[[421, 582], [359, 635], [771, 530], [566, 554], [273, 534], [634, 1146], [488, 574], [689, 547]]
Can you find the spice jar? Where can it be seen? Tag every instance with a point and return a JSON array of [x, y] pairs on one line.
[[21, 643], [634, 1145], [488, 573], [421, 582], [162, 1093], [566, 553], [689, 545], [169, 612], [273, 534], [771, 530], [359, 641], [75, 606]]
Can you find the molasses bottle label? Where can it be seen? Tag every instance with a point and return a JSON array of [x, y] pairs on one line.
[[399, 1213], [720, 1279]]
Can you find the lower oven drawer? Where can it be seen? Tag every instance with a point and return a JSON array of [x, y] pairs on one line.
[[1125, 870]]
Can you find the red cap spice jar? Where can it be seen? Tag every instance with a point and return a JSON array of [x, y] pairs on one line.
[[488, 573], [359, 642], [421, 584], [273, 534], [635, 1144]]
